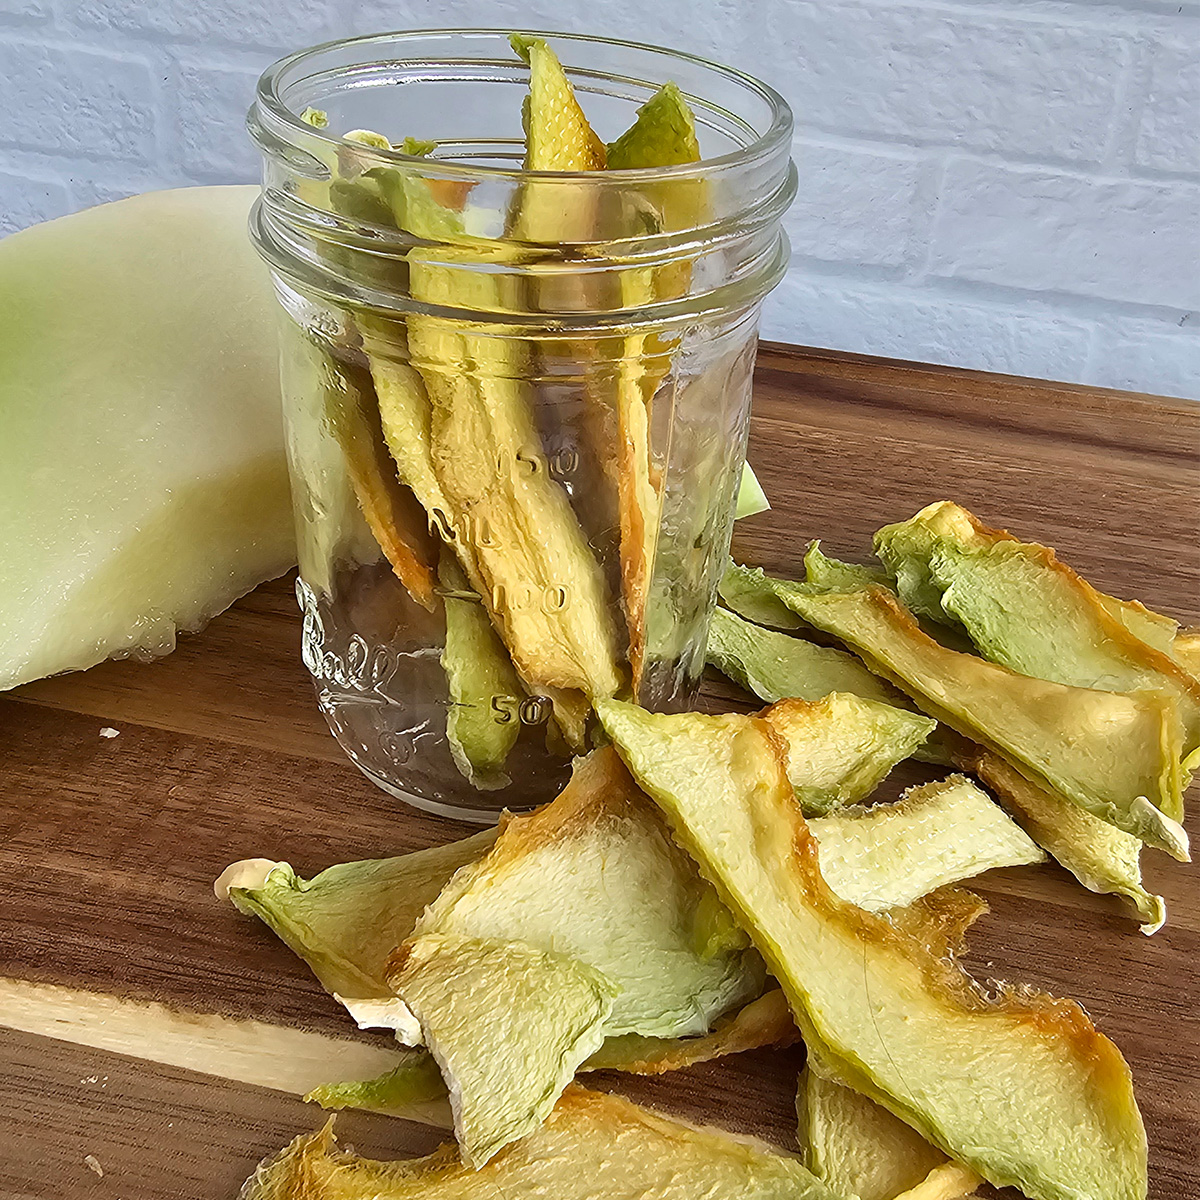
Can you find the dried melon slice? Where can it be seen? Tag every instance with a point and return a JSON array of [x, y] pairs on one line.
[[413, 1085], [1185, 649], [346, 921], [940, 920], [557, 134], [508, 1025], [1026, 610], [1102, 857], [395, 518], [592, 1147], [751, 499], [596, 876], [905, 548], [830, 574], [414, 1088], [1023, 1090], [750, 593], [840, 748], [142, 472], [1114, 754], [478, 670], [664, 134], [859, 1149], [937, 834], [765, 1021], [776, 666]]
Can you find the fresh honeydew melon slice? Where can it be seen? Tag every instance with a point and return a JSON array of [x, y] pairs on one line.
[[1022, 1089], [592, 1145], [937, 834], [142, 472]]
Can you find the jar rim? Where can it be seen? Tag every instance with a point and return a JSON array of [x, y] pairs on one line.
[[269, 97]]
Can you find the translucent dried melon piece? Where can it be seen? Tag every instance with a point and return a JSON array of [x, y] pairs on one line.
[[508, 1025], [478, 670], [777, 666], [142, 472], [937, 834], [595, 875], [1114, 754], [1102, 857], [592, 1145], [859, 1149], [1023, 1089], [346, 921], [1023, 608], [840, 748]]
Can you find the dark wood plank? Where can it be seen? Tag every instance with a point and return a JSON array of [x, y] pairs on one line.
[[108, 847]]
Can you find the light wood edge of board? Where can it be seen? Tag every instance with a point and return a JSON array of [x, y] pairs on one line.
[[243, 1051]]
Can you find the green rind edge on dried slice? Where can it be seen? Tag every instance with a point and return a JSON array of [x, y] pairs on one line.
[[1024, 1089]]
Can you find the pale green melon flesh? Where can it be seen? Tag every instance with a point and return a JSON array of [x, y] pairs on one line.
[[142, 473]]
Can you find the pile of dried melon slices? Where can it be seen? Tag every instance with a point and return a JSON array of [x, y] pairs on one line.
[[708, 884]]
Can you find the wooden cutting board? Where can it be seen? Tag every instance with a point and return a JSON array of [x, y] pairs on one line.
[[110, 844]]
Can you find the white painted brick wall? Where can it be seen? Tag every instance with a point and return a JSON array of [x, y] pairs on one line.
[[1005, 184]]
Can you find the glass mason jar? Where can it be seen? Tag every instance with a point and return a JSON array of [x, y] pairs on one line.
[[516, 400]]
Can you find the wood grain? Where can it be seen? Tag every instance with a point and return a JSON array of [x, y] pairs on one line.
[[108, 847]]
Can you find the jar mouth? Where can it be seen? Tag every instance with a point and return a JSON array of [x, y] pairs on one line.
[[288, 127]]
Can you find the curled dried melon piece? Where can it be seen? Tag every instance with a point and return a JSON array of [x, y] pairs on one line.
[[592, 1145], [841, 747], [346, 922], [1023, 1089], [142, 472], [508, 1025], [1102, 857], [596, 875], [1114, 754], [937, 834]]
